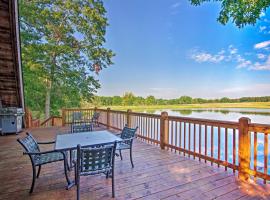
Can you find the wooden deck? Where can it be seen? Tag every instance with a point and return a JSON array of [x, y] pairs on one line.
[[158, 174]]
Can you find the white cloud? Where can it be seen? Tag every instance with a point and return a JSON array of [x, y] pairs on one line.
[[262, 28], [201, 57], [261, 56], [262, 45], [232, 49], [242, 62], [175, 5], [261, 66], [250, 61]]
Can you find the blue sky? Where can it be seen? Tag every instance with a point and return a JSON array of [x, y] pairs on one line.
[[168, 48]]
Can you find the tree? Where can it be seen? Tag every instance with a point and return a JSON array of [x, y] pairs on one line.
[[241, 12], [116, 100], [150, 100], [62, 46], [225, 100], [128, 99], [185, 100]]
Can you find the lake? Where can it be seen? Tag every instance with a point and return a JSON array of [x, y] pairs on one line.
[[227, 114]]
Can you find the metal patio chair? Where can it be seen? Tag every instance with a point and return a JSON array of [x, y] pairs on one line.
[[79, 124], [127, 134], [95, 160], [95, 118], [39, 158]]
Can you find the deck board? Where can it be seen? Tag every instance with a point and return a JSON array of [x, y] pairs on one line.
[[158, 174]]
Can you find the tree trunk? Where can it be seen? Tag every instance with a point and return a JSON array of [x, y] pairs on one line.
[[50, 81], [48, 101]]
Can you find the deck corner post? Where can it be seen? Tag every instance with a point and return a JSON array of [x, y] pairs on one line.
[[129, 118], [63, 117], [164, 130], [244, 148], [108, 118]]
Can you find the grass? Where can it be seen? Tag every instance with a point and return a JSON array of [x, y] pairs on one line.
[[261, 105]]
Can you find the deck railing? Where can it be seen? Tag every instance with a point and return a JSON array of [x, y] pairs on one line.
[[241, 146]]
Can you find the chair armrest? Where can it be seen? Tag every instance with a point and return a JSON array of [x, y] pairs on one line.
[[128, 139], [74, 162], [42, 152], [48, 142]]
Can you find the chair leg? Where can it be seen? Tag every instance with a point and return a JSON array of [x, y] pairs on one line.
[[65, 169], [70, 158], [120, 155], [131, 160], [39, 168], [113, 192], [75, 174], [107, 174], [34, 179], [78, 187]]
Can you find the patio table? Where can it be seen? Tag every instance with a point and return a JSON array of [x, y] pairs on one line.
[[68, 142]]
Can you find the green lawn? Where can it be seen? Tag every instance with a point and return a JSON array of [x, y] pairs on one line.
[[208, 105]]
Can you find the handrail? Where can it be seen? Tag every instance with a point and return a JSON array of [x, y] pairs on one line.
[[225, 143], [50, 119]]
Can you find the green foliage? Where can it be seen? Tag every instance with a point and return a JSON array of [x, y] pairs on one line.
[[62, 46], [129, 99], [185, 100], [241, 12], [150, 100]]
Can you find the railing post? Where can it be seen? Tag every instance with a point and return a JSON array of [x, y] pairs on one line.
[[164, 130], [244, 148], [108, 118], [129, 118], [63, 117]]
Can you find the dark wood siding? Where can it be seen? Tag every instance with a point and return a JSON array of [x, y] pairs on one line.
[[10, 71]]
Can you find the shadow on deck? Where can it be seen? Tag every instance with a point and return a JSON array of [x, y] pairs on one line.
[[158, 174]]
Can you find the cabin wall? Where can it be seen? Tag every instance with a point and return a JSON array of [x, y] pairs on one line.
[[11, 87]]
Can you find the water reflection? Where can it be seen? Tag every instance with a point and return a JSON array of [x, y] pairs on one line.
[[228, 114]]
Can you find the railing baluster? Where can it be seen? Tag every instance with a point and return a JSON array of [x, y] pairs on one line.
[[171, 133], [189, 135], [212, 142], [234, 148], [226, 147], [184, 137], [200, 142], [180, 135], [255, 151], [175, 140], [205, 141], [218, 144], [194, 139], [265, 154]]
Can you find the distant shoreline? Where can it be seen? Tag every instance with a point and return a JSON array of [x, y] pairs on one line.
[[258, 105]]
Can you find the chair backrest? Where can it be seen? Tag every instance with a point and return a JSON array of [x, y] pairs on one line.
[[29, 143], [76, 116], [128, 133], [81, 127], [95, 116], [95, 159]]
